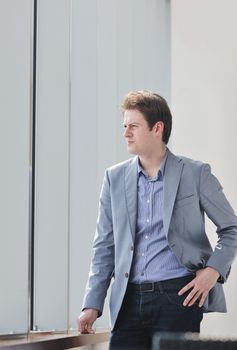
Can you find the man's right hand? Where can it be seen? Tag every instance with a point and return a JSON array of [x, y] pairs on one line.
[[85, 321]]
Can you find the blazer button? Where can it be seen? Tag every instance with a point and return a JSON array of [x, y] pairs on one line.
[[126, 274]]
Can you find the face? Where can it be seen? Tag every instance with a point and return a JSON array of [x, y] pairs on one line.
[[140, 139]]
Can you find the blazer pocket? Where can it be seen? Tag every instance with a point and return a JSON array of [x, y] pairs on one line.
[[186, 200]]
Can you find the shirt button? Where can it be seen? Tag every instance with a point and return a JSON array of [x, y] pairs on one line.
[[143, 254], [148, 201], [146, 237], [147, 220], [126, 274]]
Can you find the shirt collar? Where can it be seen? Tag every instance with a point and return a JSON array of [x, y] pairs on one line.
[[161, 171]]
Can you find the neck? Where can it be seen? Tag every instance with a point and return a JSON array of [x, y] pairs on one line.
[[151, 164]]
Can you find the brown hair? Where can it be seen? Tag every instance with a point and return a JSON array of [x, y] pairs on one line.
[[153, 107]]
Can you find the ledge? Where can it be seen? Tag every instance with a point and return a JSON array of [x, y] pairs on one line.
[[52, 341]]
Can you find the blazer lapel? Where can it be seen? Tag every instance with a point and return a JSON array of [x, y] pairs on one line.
[[131, 193], [173, 169]]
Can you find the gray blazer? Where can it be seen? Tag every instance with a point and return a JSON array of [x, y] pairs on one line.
[[190, 190]]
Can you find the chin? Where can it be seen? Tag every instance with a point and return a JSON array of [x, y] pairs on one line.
[[132, 151]]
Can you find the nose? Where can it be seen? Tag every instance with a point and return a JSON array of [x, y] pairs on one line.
[[127, 132]]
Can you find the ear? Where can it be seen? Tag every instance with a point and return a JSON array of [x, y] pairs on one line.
[[159, 128]]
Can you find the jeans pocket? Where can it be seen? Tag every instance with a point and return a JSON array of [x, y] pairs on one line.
[[175, 299]]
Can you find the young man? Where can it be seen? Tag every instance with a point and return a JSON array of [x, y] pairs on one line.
[[151, 239]]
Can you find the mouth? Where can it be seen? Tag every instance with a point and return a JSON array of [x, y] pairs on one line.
[[130, 142]]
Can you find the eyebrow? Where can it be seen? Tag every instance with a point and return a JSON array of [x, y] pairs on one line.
[[132, 123]]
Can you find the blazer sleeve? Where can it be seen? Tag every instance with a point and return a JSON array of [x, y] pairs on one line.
[[102, 264], [219, 210]]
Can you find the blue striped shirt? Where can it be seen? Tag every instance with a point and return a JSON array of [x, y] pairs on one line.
[[153, 259]]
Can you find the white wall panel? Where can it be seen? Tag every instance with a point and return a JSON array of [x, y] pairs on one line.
[[204, 106], [143, 49], [106, 83], [114, 48], [83, 170], [110, 42], [15, 73], [52, 166]]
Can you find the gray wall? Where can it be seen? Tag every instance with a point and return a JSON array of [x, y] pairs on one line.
[[124, 50], [15, 116], [52, 166], [204, 105], [89, 54]]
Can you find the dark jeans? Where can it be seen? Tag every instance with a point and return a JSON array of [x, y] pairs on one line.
[[145, 313]]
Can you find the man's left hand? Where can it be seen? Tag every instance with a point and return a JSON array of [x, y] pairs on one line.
[[200, 286]]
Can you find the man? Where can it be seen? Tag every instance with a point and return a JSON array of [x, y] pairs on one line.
[[151, 239]]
